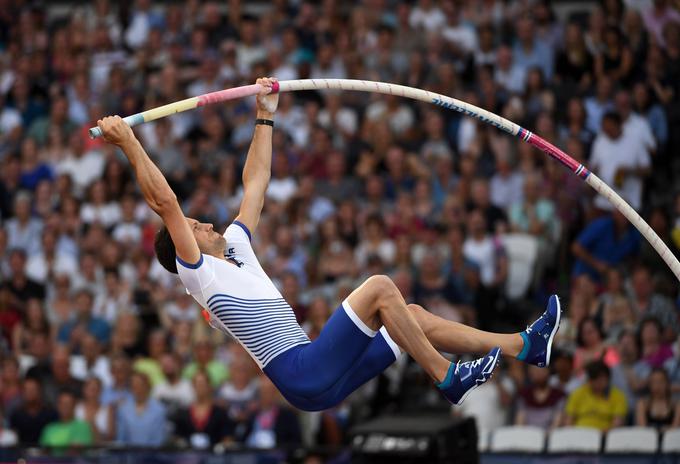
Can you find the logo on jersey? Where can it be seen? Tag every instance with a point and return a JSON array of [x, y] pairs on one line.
[[231, 255]]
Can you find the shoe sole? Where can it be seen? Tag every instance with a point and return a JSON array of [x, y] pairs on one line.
[[494, 365], [554, 331]]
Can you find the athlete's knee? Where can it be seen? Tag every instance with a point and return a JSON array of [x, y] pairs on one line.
[[383, 288]]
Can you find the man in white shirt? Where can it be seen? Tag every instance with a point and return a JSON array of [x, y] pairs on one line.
[[621, 162], [636, 129], [84, 167], [174, 390]]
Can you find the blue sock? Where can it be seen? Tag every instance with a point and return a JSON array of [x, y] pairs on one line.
[[522, 356], [446, 383]]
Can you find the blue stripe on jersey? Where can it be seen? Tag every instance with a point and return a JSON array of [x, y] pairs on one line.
[[265, 327], [189, 265], [245, 229]]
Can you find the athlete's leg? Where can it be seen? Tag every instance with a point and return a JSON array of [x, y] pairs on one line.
[[378, 302], [453, 337]]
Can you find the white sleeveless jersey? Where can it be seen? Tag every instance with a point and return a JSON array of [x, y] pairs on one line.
[[239, 295]]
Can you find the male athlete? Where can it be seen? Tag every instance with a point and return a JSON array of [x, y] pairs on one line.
[[363, 336]]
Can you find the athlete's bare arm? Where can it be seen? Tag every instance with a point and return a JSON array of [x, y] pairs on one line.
[[157, 193], [257, 170]]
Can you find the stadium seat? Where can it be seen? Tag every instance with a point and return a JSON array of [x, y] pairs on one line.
[[631, 440], [575, 439], [670, 443], [521, 250], [525, 439]]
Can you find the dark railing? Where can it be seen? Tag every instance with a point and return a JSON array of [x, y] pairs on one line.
[[245, 455]]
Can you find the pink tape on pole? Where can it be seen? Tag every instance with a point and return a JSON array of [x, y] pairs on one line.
[[275, 87], [228, 94], [553, 151]]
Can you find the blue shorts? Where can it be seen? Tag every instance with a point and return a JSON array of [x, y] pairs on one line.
[[347, 354]]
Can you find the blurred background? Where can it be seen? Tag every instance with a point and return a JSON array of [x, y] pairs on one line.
[[102, 347]]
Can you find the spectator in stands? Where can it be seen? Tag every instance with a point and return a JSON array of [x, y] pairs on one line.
[[20, 285], [119, 390], [157, 346], [599, 104], [539, 404], [622, 162], [604, 243], [631, 373], [506, 185], [140, 419], [617, 316], [10, 385], [59, 376], [487, 253], [596, 404], [529, 51], [81, 165], [174, 391], [652, 112], [73, 331], [658, 409], [271, 424], [574, 63], [29, 419], [495, 217], [653, 350], [45, 263], [636, 129], [204, 360], [90, 409], [592, 346], [91, 362], [203, 424], [535, 215], [58, 117], [563, 377], [374, 241], [68, 431], [649, 303], [317, 316]]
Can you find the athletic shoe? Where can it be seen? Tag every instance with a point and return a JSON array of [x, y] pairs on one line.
[[463, 377], [538, 337]]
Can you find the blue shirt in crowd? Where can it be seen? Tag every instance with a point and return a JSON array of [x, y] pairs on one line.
[[144, 428], [599, 238]]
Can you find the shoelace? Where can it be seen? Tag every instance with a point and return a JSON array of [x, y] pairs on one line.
[[543, 320]]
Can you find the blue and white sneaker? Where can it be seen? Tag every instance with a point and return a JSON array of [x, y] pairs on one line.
[[538, 337], [463, 377]]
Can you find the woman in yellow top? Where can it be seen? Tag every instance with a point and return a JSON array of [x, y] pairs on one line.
[[597, 403]]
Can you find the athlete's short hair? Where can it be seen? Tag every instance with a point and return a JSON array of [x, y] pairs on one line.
[[165, 250]]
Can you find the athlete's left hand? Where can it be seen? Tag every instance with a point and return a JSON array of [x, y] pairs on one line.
[[267, 102]]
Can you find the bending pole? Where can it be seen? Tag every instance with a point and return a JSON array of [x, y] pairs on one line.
[[429, 97]]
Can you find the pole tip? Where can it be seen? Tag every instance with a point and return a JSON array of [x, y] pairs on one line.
[[95, 132]]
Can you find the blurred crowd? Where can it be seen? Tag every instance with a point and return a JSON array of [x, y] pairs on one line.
[[100, 344]]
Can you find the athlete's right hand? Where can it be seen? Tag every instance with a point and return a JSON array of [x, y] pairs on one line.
[[115, 130], [267, 102]]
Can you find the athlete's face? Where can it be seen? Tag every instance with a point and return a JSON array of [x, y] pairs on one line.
[[207, 239]]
